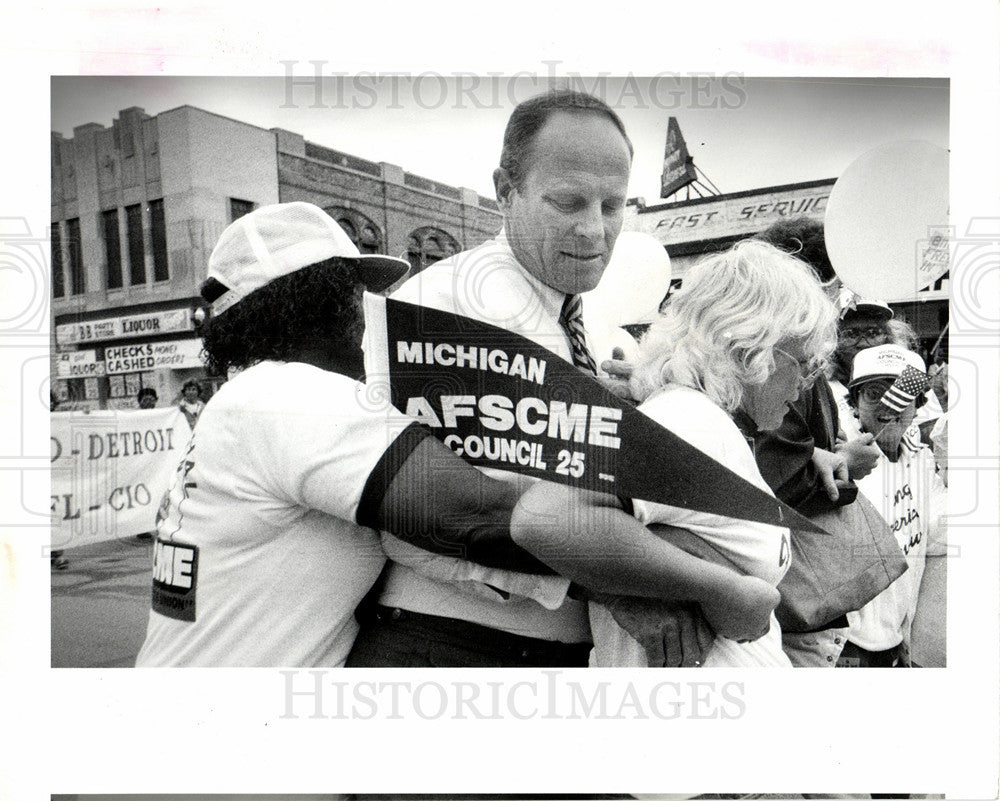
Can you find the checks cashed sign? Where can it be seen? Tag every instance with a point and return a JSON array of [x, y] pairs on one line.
[[110, 470], [173, 354], [502, 401]]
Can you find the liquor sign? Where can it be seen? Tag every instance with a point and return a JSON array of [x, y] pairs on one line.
[[133, 325], [678, 166], [79, 364]]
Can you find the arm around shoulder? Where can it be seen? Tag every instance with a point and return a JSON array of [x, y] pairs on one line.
[[589, 538]]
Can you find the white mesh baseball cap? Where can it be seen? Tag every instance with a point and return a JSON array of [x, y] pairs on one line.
[[277, 240], [883, 361], [852, 305]]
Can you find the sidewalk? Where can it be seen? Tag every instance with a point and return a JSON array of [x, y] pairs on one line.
[[100, 604]]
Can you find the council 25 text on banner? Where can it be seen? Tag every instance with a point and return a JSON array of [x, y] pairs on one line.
[[500, 400]]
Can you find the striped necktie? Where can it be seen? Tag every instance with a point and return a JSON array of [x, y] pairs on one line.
[[571, 319]]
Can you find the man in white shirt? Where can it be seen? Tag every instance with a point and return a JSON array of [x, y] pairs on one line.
[[561, 186], [266, 541]]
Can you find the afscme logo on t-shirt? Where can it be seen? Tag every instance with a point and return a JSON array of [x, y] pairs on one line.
[[175, 579]]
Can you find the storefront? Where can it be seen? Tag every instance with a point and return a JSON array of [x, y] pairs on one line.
[[103, 362], [692, 229]]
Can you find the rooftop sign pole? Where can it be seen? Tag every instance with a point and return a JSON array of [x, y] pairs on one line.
[[678, 166]]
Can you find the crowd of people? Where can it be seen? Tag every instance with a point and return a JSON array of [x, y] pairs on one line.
[[310, 523]]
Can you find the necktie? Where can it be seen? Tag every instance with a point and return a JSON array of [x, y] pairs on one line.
[[571, 319]]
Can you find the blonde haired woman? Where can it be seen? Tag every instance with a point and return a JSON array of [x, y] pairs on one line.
[[749, 330]]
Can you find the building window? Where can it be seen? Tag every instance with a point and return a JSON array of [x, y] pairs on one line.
[[427, 245], [112, 248], [366, 236], [76, 282], [128, 141], [158, 224], [58, 281], [369, 240], [349, 229], [136, 249], [237, 208]]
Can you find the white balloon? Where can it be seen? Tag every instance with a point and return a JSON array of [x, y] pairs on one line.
[[885, 222], [634, 282]]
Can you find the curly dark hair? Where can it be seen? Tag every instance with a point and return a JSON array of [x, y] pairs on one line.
[[803, 238], [319, 305]]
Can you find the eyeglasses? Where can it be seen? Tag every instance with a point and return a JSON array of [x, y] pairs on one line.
[[807, 377], [874, 391], [856, 333]]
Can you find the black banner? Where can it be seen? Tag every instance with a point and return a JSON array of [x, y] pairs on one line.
[[499, 400]]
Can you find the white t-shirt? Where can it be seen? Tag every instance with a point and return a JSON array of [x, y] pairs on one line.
[[258, 560], [488, 284], [911, 499], [756, 548]]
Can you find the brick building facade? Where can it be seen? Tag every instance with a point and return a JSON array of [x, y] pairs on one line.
[[138, 207]]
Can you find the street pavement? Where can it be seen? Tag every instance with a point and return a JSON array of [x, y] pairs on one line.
[[100, 604]]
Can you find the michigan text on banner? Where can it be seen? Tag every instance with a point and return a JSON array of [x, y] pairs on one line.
[[110, 470], [502, 401]]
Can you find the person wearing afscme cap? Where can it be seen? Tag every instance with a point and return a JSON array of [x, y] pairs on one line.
[[874, 372], [262, 551], [864, 323], [887, 384]]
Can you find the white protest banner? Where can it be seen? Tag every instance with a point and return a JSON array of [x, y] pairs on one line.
[[110, 470]]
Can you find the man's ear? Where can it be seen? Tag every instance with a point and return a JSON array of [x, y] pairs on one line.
[[504, 187]]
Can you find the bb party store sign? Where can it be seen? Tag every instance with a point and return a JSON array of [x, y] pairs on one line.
[[501, 401], [109, 471]]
